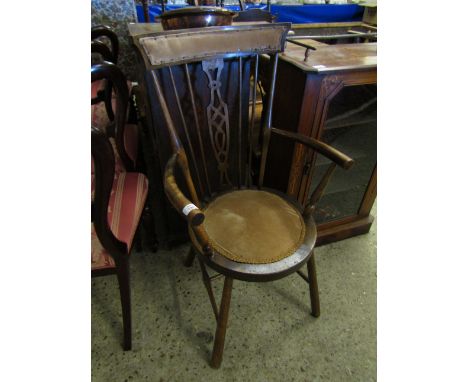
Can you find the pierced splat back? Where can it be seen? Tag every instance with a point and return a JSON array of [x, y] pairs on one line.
[[203, 90]]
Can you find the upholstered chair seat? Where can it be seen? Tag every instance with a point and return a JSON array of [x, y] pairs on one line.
[[253, 226], [126, 203]]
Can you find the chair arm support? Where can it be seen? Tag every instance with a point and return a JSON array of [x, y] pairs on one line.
[[328, 151], [184, 206]]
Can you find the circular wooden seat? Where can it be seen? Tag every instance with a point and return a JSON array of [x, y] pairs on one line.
[[256, 235]]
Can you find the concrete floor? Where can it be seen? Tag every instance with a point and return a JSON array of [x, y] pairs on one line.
[[271, 334]]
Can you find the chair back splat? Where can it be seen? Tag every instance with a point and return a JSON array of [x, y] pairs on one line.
[[114, 76], [205, 87]]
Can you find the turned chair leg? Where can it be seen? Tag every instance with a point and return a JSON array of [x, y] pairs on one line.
[[190, 257], [123, 276], [313, 286], [218, 347]]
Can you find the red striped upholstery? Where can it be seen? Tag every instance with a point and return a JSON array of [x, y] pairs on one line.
[[100, 120], [126, 203]]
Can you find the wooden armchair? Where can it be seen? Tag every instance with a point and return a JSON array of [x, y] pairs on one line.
[[117, 204], [203, 89]]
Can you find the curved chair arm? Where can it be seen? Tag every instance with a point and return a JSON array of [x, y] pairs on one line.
[[103, 155], [336, 156], [184, 206], [112, 73], [328, 151], [104, 30]]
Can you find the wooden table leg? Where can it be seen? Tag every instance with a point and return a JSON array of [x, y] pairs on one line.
[[218, 347]]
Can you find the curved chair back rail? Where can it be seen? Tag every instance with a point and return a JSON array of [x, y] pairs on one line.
[[111, 73], [106, 31], [102, 49], [104, 95]]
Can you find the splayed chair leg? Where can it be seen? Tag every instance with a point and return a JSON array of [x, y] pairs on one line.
[[313, 286], [218, 347], [123, 276], [207, 282], [188, 262]]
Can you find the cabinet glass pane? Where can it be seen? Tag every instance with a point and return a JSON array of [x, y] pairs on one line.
[[351, 127]]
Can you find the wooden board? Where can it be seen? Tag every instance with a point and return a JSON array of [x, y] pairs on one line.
[[328, 58]]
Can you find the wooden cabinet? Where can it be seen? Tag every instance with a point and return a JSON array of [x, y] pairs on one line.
[[330, 95]]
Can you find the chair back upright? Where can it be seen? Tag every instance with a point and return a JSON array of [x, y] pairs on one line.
[[111, 73], [104, 167], [104, 47], [106, 35], [203, 84]]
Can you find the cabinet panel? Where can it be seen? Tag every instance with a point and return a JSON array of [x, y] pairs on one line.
[[351, 127]]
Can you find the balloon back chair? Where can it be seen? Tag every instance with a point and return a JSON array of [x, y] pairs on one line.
[[124, 136], [117, 204], [118, 196], [104, 47], [203, 82]]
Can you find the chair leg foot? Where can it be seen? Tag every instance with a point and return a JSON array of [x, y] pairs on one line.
[[221, 327], [188, 262], [313, 286], [123, 276]]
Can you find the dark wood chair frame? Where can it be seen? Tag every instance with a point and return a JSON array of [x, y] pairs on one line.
[[104, 170], [104, 95], [201, 247], [103, 156], [110, 55], [111, 73], [106, 31]]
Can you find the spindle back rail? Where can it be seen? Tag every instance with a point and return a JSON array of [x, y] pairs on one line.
[[204, 90]]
